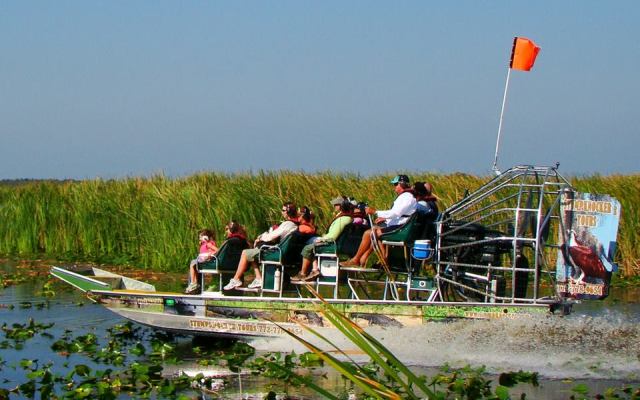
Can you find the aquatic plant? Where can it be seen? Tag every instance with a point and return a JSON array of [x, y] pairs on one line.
[[20, 333], [138, 375], [151, 222], [7, 280]]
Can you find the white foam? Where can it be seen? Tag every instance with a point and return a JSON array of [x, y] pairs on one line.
[[601, 347]]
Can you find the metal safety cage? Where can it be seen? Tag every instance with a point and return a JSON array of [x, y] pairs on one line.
[[499, 244]]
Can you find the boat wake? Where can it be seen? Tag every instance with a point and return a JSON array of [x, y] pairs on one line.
[[579, 347]]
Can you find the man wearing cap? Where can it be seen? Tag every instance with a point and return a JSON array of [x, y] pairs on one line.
[[387, 220], [342, 218]]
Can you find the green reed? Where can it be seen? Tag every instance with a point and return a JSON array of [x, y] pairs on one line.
[[152, 222]]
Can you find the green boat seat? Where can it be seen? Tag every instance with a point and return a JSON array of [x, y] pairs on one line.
[[326, 259], [350, 238], [287, 252], [328, 255], [412, 230], [275, 258], [400, 241], [225, 260], [402, 266], [346, 244]]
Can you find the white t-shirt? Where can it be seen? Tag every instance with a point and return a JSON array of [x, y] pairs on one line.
[[284, 229], [403, 206]]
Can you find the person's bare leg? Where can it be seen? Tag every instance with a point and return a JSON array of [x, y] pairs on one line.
[[256, 270], [243, 265], [365, 257], [304, 270], [365, 244], [193, 274], [367, 248]]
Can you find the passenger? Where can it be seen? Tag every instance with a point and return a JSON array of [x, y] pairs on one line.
[[388, 220], [306, 221], [427, 202], [234, 230], [250, 256], [208, 249], [359, 213], [342, 217]]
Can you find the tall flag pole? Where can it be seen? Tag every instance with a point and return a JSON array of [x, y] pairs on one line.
[[523, 56]]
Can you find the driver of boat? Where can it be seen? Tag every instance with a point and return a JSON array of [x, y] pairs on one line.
[[386, 220], [250, 256]]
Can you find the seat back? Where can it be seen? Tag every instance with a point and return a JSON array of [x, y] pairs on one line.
[[290, 249], [227, 257], [408, 232], [419, 226], [350, 238], [429, 228]]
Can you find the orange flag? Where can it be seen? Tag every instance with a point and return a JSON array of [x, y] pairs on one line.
[[523, 54]]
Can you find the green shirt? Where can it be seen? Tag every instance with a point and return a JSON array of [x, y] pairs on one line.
[[337, 226]]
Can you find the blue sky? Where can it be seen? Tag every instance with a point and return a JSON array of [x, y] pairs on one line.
[[119, 88]]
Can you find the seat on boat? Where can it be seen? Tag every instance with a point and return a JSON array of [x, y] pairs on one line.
[[345, 245], [328, 254], [402, 266], [419, 226], [350, 238], [274, 258], [225, 260], [399, 242]]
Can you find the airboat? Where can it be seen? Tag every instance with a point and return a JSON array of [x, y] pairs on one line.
[[526, 242]]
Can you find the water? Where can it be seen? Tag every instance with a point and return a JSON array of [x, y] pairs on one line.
[[599, 343], [599, 340]]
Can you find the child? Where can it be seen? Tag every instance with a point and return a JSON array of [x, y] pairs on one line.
[[208, 249]]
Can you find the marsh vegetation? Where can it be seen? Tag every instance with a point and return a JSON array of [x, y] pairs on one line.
[[151, 223]]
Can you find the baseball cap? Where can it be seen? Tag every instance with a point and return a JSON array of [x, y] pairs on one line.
[[338, 200], [400, 178]]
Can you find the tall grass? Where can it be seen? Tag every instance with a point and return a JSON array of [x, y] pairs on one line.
[[152, 222]]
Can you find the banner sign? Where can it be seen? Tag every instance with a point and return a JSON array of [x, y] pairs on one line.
[[588, 245]]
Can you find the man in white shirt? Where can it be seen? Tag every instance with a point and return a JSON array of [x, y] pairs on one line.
[[387, 220]]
